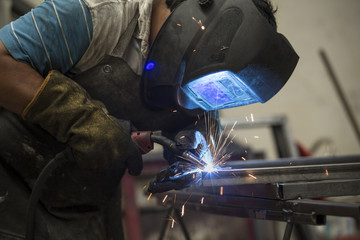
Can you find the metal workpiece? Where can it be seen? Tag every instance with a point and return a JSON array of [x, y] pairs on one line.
[[290, 191], [285, 170], [324, 207], [301, 211], [318, 189], [276, 190]]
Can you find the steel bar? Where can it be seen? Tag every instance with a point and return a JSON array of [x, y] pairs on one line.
[[288, 230], [294, 161], [317, 189], [290, 191], [268, 191], [282, 174], [324, 207], [297, 211], [263, 209], [260, 214]]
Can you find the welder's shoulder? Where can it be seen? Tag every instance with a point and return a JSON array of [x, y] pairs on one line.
[[110, 21], [53, 35]]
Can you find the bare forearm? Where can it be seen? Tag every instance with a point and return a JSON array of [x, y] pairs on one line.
[[18, 82]]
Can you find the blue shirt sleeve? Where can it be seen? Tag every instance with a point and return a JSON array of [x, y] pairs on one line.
[[53, 35]]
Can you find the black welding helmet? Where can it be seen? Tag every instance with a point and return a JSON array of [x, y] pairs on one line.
[[214, 55]]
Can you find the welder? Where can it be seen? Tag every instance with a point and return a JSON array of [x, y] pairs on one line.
[[83, 74]]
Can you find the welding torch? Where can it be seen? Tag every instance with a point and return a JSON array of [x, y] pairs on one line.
[[145, 142]]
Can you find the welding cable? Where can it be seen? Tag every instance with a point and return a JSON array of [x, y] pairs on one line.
[[54, 163], [166, 142]]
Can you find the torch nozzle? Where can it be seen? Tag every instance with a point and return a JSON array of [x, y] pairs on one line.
[[188, 156]]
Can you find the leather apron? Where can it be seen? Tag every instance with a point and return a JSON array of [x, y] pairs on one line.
[[75, 203]]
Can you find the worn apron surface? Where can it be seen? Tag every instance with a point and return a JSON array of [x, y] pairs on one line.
[[75, 203]]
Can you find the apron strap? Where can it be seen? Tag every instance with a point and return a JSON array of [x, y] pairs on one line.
[[124, 40]]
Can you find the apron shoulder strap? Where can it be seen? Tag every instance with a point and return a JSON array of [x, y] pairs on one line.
[[125, 38]]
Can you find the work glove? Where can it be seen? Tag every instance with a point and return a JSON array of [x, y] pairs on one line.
[[177, 176], [98, 141], [180, 173], [186, 140]]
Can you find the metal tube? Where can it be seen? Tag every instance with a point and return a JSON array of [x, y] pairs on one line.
[[277, 172], [164, 141], [288, 230], [293, 161]]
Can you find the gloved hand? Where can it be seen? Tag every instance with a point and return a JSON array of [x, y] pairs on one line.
[[186, 140], [65, 110], [189, 139], [177, 176]]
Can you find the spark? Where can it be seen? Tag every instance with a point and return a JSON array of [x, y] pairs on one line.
[[166, 196], [250, 175], [223, 48], [144, 187], [224, 142], [202, 200], [257, 137], [182, 210], [243, 158], [213, 144], [174, 111], [326, 172], [172, 221], [221, 190], [252, 117], [199, 22], [179, 24], [246, 118], [246, 140], [149, 196]]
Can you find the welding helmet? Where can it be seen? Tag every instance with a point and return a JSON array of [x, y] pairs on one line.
[[216, 54]]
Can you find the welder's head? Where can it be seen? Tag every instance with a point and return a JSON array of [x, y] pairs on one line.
[[264, 6], [213, 54]]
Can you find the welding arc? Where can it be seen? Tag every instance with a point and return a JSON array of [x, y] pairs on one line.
[[171, 145]]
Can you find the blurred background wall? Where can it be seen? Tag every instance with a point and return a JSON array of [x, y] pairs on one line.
[[309, 99]]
